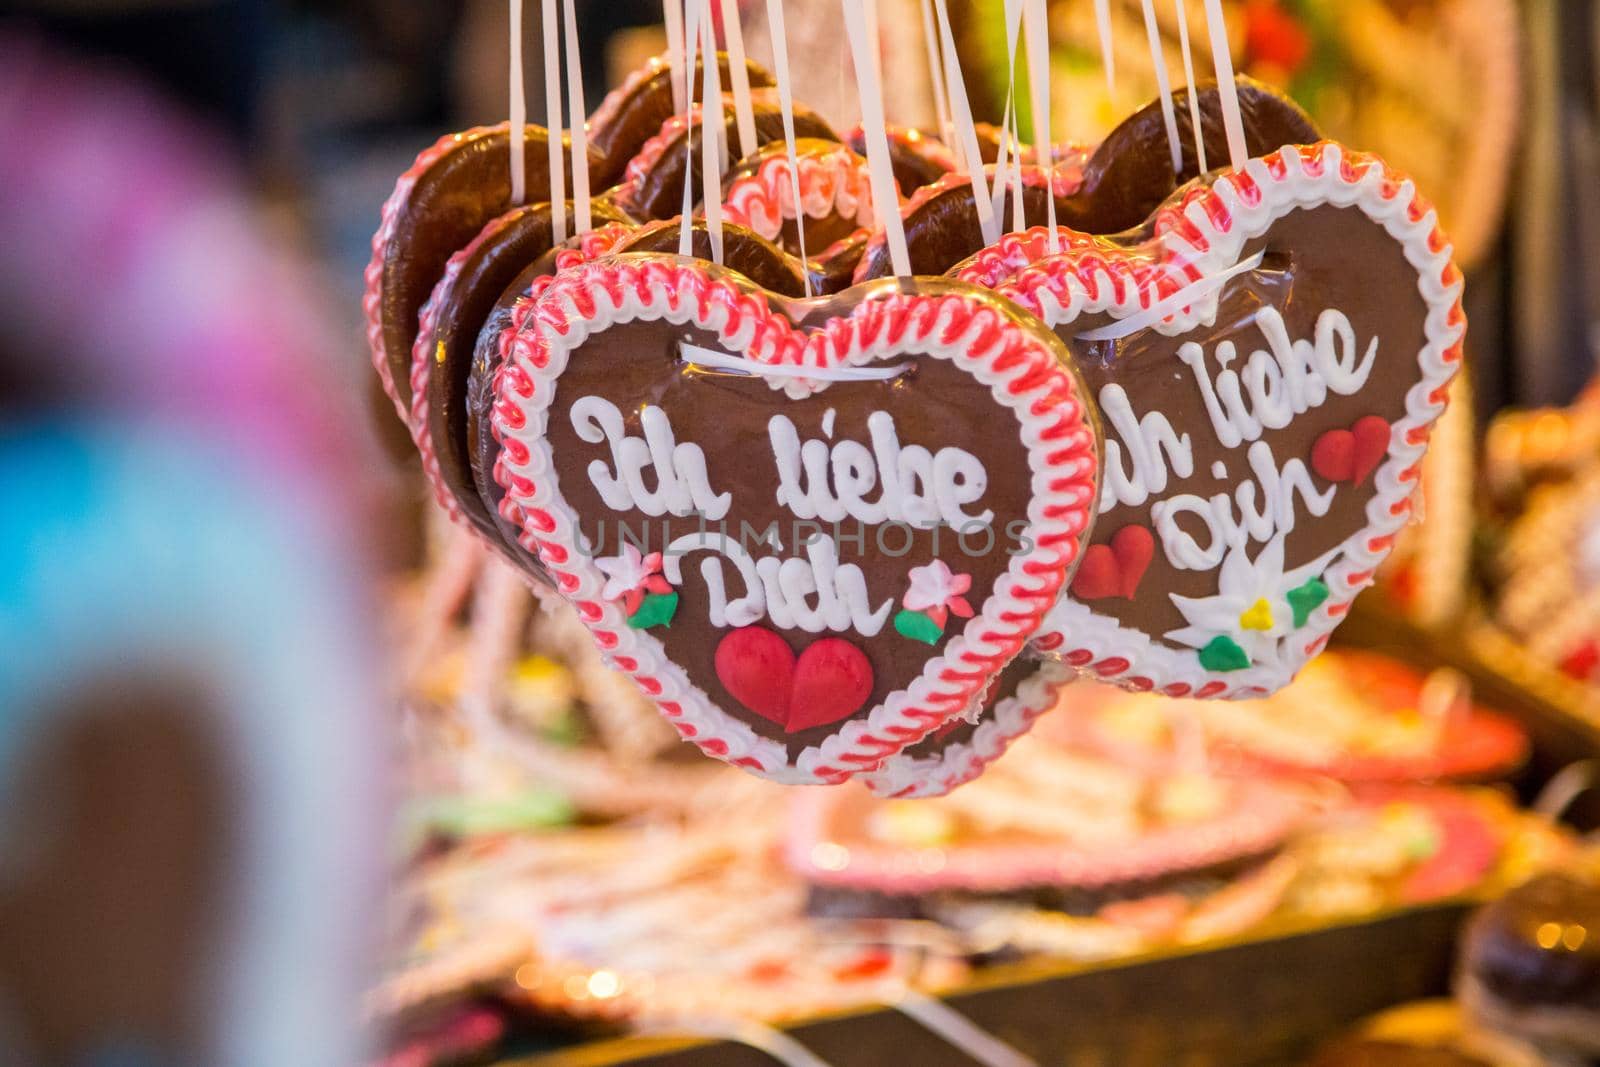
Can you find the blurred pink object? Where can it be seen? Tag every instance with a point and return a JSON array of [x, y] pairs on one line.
[[137, 275]]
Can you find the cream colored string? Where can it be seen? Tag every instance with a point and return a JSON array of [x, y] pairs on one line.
[[738, 76], [1182, 8], [966, 131], [1222, 61], [552, 120], [691, 38], [578, 115], [672, 16], [1102, 21], [1037, 26], [1158, 59], [780, 64], [713, 135], [879, 168], [519, 110], [941, 103]]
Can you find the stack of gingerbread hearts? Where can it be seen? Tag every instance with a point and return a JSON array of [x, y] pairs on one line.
[[851, 489]]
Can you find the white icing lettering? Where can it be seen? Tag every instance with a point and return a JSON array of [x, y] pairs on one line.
[[832, 483], [682, 486]]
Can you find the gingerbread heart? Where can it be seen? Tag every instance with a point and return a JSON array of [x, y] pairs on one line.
[[1265, 424], [904, 469]]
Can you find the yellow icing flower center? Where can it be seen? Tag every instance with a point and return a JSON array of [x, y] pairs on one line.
[[1258, 617]]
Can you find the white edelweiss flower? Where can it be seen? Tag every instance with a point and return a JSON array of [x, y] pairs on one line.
[[934, 585], [624, 572], [1251, 604]]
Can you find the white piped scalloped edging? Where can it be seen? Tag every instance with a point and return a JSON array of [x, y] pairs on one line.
[[1019, 364], [906, 777], [1204, 231]]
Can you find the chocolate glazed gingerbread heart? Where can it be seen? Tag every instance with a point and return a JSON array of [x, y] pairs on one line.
[[1263, 438], [698, 459]]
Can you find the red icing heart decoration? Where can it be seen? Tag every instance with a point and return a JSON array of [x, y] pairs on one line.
[[1115, 569], [830, 681], [1350, 455], [1221, 340], [757, 667], [798, 482]]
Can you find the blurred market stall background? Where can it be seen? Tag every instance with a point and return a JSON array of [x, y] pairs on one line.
[[239, 326]]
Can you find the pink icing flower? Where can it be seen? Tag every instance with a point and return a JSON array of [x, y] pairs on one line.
[[936, 592], [631, 575]]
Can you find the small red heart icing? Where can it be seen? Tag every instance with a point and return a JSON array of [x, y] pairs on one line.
[[1098, 575], [1134, 548], [831, 681], [1115, 569], [758, 668], [1333, 456], [1351, 455]]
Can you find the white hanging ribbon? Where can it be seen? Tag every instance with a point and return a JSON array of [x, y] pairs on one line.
[[672, 16], [1102, 21], [941, 103], [966, 131], [1179, 300], [780, 63], [738, 76], [519, 111], [579, 116], [1228, 93], [1158, 59], [552, 121], [959, 1031], [879, 168], [696, 356], [691, 39], [1037, 26], [713, 134], [1182, 9], [1008, 161]]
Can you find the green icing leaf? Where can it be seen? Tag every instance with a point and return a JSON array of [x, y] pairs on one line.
[[657, 609], [918, 627], [1304, 599], [1222, 653]]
